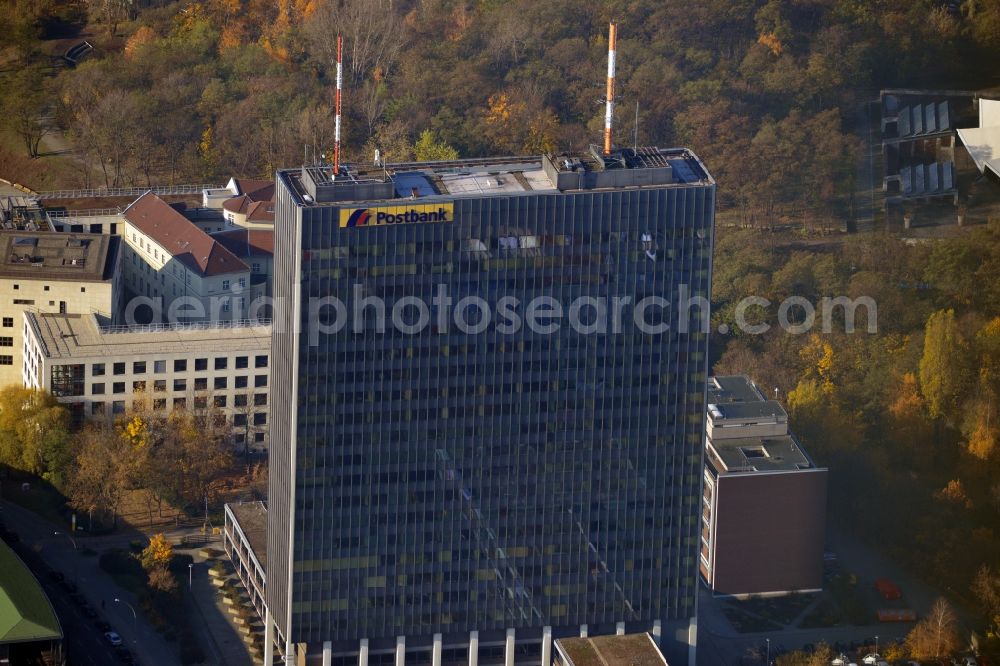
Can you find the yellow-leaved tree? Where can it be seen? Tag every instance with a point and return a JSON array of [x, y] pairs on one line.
[[157, 554]]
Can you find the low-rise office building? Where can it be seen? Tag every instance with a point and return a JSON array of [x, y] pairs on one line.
[[256, 248], [764, 502], [53, 272], [99, 371], [185, 272]]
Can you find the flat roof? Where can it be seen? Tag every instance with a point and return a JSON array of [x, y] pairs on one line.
[[736, 397], [747, 410], [758, 454], [733, 388], [643, 167], [252, 519], [26, 615], [49, 255], [79, 336], [625, 650]]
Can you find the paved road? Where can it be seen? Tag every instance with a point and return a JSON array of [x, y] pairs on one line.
[[149, 647], [82, 640]]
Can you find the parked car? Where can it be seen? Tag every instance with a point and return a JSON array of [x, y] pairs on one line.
[[113, 638]]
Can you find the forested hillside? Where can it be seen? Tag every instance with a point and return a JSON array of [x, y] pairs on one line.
[[194, 91]]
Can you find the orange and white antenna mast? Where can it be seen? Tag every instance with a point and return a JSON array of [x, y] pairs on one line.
[[609, 109], [336, 127]]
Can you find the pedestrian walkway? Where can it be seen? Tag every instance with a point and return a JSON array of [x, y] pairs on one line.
[[225, 646], [59, 552]]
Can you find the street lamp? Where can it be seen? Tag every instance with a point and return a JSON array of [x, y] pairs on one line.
[[135, 619], [190, 574], [76, 559], [876, 647], [768, 662]]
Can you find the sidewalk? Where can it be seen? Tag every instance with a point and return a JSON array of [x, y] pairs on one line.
[[224, 646], [148, 646]]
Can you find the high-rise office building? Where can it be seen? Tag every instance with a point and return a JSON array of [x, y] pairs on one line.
[[456, 479]]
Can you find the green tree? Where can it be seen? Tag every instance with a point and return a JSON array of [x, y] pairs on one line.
[[34, 432], [431, 149], [944, 365]]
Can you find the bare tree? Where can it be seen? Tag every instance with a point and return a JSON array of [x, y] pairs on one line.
[[936, 635], [373, 36]]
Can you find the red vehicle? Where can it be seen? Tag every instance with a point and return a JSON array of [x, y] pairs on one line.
[[887, 589]]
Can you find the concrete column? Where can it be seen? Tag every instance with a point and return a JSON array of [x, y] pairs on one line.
[[692, 641], [436, 651], [268, 637], [657, 632], [508, 653], [400, 650], [363, 652], [546, 646], [327, 653], [473, 648], [620, 628], [289, 651], [583, 630]]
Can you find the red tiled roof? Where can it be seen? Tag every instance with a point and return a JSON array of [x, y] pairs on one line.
[[255, 211], [257, 190], [247, 242], [181, 238], [255, 200]]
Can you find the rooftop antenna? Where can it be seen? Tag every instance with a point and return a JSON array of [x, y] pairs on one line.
[[609, 108], [635, 130], [336, 126]]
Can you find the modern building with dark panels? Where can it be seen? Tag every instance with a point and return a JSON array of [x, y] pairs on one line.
[[764, 503], [441, 496]]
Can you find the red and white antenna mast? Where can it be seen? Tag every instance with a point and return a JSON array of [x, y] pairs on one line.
[[609, 109], [336, 127]]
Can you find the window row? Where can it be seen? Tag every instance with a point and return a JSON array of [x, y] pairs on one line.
[[179, 365]]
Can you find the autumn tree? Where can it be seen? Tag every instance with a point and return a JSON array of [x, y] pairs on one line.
[[936, 635], [157, 553], [943, 366], [103, 472], [34, 432], [821, 656], [155, 559]]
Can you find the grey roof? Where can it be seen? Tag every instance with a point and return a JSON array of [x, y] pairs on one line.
[[923, 119], [496, 176], [252, 519], [72, 336], [732, 388], [48, 255], [926, 179], [747, 410], [755, 454]]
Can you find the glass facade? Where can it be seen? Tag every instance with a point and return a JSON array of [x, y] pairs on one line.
[[441, 481]]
